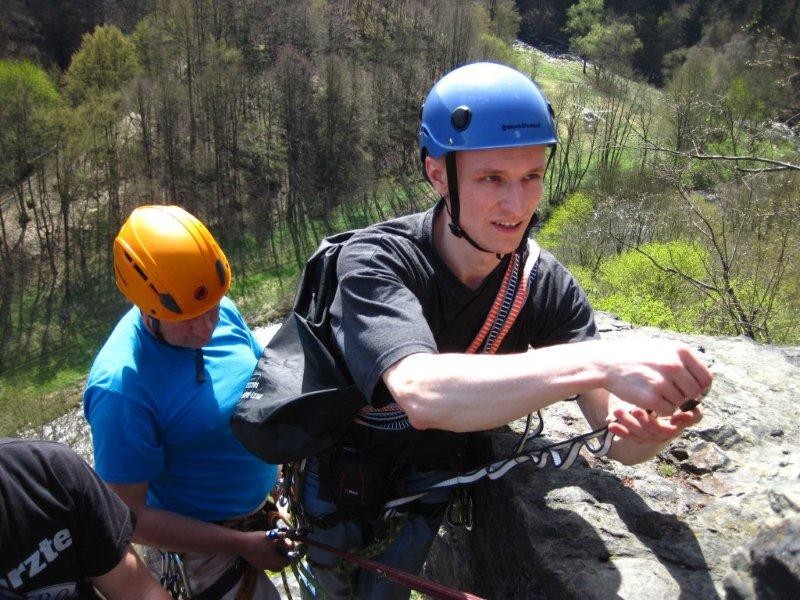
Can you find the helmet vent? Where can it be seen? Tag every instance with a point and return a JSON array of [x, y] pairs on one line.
[[460, 118], [169, 303], [138, 269], [221, 273]]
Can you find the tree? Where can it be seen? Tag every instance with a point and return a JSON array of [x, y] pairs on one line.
[[26, 96], [100, 69], [581, 19], [505, 20], [26, 136], [339, 154], [611, 45], [105, 62]]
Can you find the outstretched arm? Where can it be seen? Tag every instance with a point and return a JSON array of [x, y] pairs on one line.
[[461, 392], [170, 531]]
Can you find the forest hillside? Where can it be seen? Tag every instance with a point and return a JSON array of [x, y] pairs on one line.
[[672, 194]]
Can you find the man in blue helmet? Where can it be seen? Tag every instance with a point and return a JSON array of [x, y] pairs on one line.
[[429, 324]]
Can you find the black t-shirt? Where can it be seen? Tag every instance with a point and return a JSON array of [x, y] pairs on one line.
[[59, 524], [397, 297]]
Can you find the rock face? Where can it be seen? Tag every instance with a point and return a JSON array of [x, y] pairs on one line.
[[717, 515]]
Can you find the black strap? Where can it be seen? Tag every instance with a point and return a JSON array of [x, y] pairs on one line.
[[454, 209], [225, 582], [199, 366]]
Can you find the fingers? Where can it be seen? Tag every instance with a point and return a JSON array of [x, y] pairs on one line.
[[687, 417], [641, 426], [699, 370], [278, 557], [662, 376], [673, 394], [695, 378], [267, 552]]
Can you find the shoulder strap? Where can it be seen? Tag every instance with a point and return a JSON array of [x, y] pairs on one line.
[[509, 301], [318, 282]]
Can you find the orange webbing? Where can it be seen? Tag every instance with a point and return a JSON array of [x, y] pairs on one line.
[[516, 307], [498, 301], [520, 295]]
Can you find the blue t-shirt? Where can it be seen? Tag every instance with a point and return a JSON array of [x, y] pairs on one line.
[[153, 421]]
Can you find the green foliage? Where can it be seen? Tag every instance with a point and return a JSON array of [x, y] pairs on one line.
[[27, 95], [666, 469], [583, 16], [492, 48], [611, 44], [505, 20], [631, 286], [743, 100], [24, 83], [105, 62], [574, 213], [28, 404]]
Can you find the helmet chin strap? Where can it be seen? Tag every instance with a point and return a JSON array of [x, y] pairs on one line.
[[155, 326], [453, 209]]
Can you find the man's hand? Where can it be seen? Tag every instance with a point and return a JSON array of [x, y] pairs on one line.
[[640, 427], [263, 553], [656, 375]]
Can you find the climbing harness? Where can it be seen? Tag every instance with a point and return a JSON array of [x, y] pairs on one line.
[[293, 524]]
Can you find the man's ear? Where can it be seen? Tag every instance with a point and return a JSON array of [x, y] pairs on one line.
[[437, 174]]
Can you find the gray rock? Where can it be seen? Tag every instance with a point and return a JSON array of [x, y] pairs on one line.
[[723, 435], [784, 498], [679, 526], [769, 568], [704, 457], [712, 517]]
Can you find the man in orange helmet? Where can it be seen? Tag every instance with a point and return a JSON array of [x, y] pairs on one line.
[[159, 397]]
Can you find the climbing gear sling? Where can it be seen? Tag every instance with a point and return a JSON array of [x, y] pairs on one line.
[[393, 574], [560, 455]]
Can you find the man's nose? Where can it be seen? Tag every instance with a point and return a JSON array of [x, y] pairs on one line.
[[206, 323], [516, 198]]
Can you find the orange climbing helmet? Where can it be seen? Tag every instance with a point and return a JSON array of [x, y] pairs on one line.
[[168, 264]]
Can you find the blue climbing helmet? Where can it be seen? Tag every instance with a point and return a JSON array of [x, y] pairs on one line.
[[482, 106]]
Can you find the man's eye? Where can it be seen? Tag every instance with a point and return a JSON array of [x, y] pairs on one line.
[[491, 179]]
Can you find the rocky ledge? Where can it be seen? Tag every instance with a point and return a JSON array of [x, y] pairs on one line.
[[717, 515]]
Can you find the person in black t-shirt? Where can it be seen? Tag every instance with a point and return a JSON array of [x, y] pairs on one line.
[[413, 294], [63, 533]]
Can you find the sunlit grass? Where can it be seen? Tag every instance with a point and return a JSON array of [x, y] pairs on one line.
[[26, 403]]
